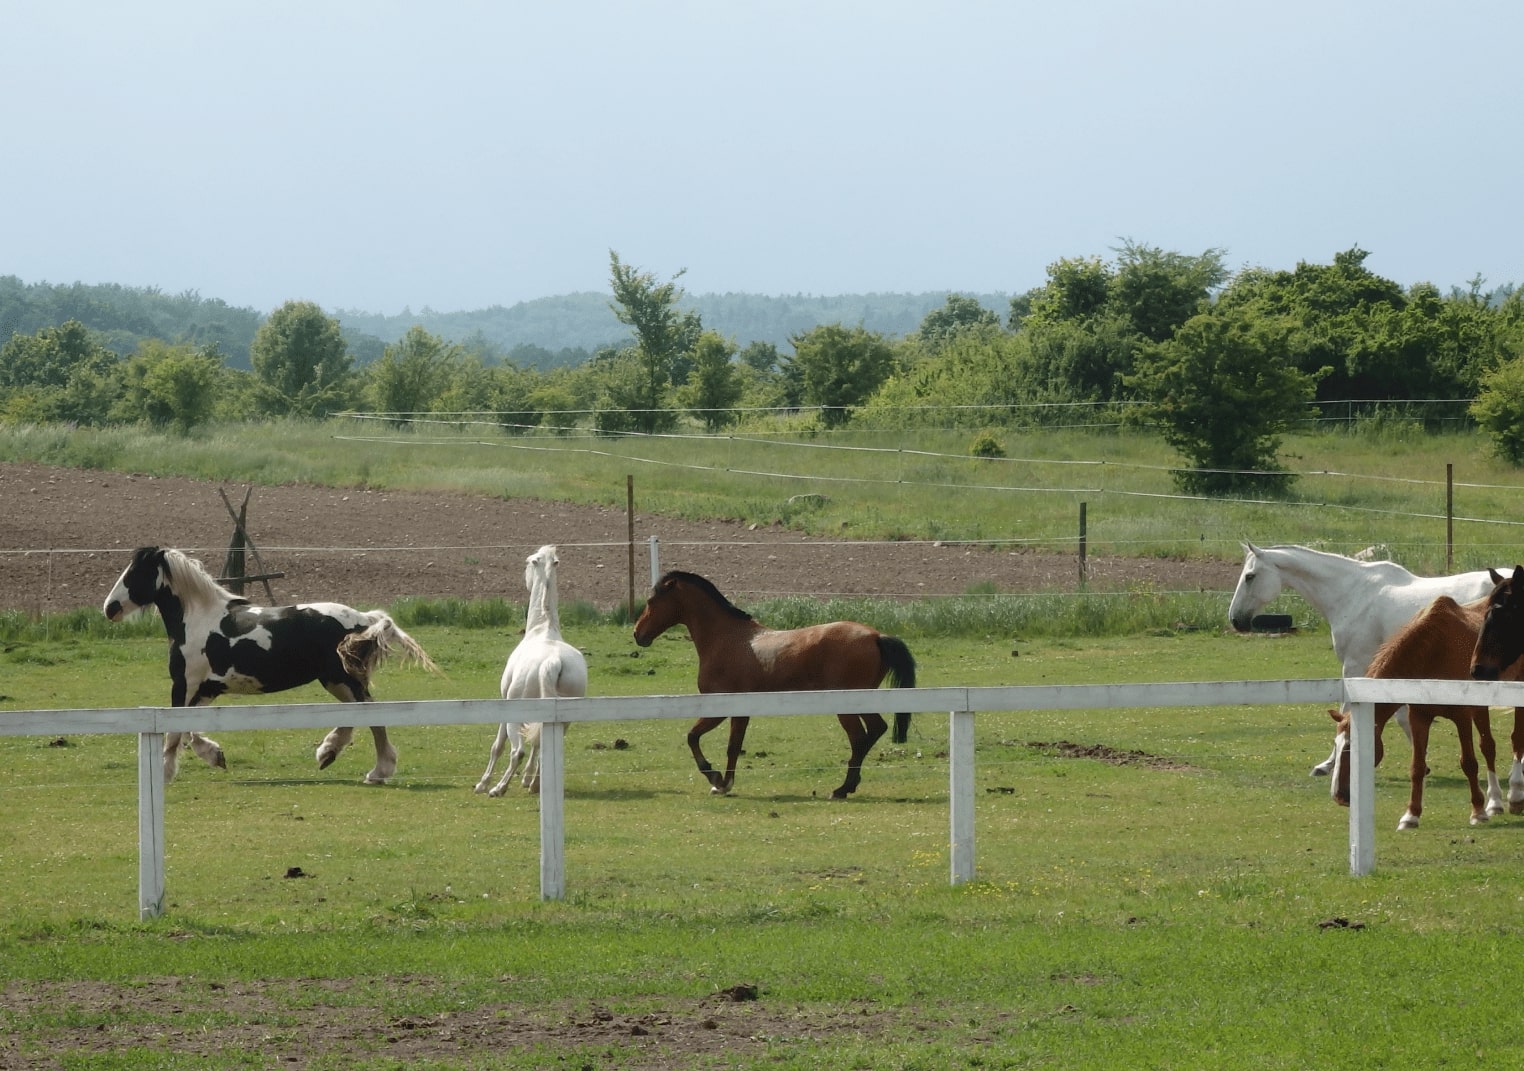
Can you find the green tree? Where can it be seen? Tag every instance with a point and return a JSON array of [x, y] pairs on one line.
[[170, 386], [302, 362], [413, 373], [62, 373], [958, 315], [662, 335], [714, 385], [1499, 410], [840, 367], [1225, 391], [1157, 291]]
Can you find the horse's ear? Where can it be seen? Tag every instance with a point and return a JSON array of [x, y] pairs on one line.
[[1497, 577], [1249, 548]]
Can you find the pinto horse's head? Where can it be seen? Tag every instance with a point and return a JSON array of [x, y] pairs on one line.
[[1501, 641], [139, 584]]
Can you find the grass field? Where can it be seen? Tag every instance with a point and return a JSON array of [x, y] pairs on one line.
[[1148, 914], [1177, 910]]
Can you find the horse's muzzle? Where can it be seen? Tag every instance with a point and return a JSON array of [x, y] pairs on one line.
[[642, 641], [113, 611]]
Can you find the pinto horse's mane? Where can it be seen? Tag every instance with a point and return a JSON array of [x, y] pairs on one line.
[[707, 587], [189, 579]]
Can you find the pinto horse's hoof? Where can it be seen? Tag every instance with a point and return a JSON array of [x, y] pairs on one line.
[[1516, 806]]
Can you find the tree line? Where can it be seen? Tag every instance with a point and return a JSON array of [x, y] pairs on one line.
[[1223, 364]]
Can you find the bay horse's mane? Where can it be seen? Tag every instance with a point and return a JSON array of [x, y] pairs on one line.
[[708, 588], [189, 579]]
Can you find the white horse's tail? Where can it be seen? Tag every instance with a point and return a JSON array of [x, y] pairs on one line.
[[361, 652]]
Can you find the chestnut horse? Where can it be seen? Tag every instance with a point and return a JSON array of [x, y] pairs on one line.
[[737, 654], [1441, 643]]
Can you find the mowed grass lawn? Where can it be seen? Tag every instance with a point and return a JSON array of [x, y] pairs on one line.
[[1175, 910]]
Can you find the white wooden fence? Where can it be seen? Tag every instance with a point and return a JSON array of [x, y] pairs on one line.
[[962, 704]]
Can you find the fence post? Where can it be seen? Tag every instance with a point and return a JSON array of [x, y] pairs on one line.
[[960, 766], [1362, 788], [655, 560], [553, 810], [150, 825]]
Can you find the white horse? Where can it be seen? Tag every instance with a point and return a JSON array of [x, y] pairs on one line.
[[1366, 603], [541, 666]]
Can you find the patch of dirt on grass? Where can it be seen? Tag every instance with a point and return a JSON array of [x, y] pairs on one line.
[[297, 1023], [1109, 755]]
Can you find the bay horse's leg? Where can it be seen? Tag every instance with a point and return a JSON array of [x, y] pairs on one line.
[[863, 731], [1489, 750], [493, 755], [1516, 774], [1419, 720], [695, 734], [1463, 718], [732, 753]]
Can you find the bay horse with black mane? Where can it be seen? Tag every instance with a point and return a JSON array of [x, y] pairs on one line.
[[1447, 641], [220, 642], [737, 654]]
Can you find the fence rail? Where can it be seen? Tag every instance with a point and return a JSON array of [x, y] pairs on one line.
[[961, 703]]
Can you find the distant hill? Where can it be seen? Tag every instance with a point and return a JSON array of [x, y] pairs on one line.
[[583, 322], [544, 332]]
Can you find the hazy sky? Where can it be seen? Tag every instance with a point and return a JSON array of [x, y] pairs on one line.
[[370, 155]]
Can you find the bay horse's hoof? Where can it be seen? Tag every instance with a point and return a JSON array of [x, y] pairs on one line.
[[840, 794], [1407, 821], [1516, 806]]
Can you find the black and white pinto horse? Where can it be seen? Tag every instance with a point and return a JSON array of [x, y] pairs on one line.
[[220, 642]]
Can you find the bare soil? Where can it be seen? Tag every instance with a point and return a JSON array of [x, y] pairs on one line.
[[66, 534]]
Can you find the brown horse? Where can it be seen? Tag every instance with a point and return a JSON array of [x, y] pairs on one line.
[[1439, 644], [736, 654]]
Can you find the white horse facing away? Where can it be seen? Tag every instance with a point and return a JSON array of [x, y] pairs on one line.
[[543, 665], [1365, 603]]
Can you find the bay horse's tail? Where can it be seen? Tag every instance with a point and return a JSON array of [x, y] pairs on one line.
[[361, 652], [900, 667]]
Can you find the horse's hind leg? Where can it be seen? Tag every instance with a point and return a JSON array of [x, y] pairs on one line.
[[1419, 722], [386, 758], [208, 751], [171, 755], [863, 731], [515, 733], [495, 753]]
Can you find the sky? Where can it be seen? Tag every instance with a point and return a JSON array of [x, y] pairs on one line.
[[377, 156]]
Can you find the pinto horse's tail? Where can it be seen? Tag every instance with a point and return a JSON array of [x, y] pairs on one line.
[[361, 652], [900, 666]]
